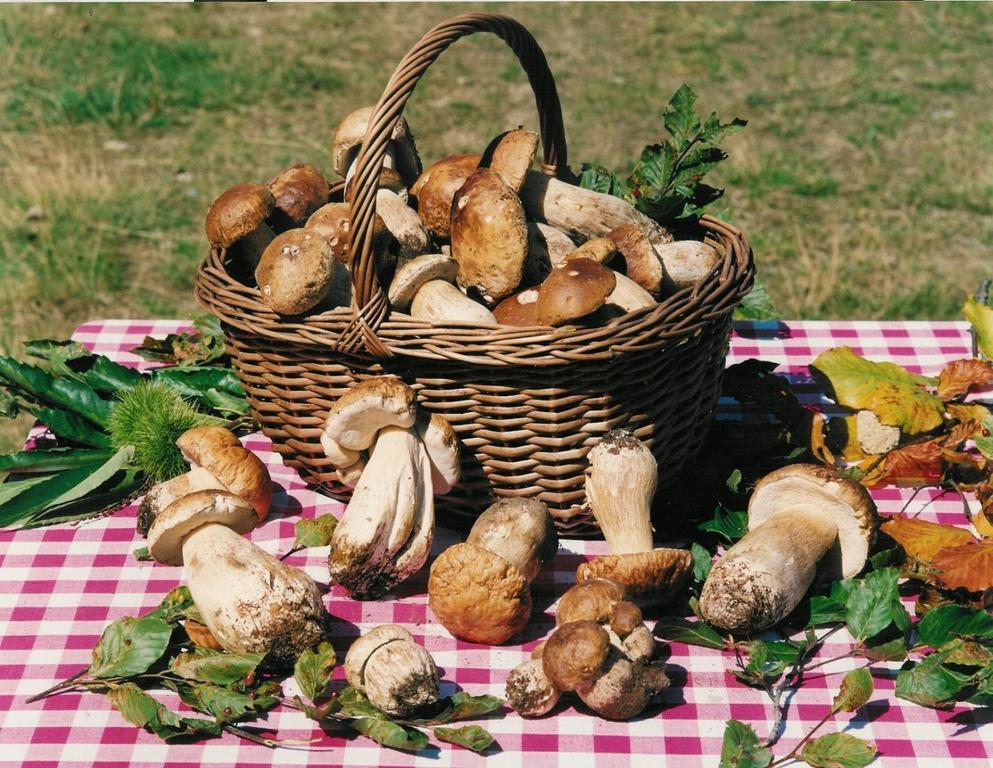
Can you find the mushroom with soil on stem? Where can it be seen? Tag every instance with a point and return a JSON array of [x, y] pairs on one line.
[[480, 589], [620, 485], [392, 670], [425, 286], [298, 191], [249, 600], [237, 221], [803, 519]]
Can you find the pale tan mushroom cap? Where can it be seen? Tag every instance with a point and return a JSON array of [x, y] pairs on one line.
[[299, 191], [654, 577], [600, 249], [847, 502], [686, 263], [219, 451], [575, 289], [186, 514], [367, 407], [529, 691], [623, 689], [489, 236], [520, 530], [477, 595], [435, 189], [237, 213], [511, 154], [294, 273], [411, 275], [365, 645], [348, 139]]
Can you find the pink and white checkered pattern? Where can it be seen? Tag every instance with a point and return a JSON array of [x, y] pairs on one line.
[[60, 586]]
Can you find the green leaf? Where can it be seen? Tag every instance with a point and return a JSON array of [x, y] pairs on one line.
[[680, 630], [838, 750], [680, 119], [129, 647], [119, 490], [316, 532], [856, 690], [69, 427], [714, 130], [731, 525], [885, 558], [462, 706], [832, 608], [982, 696], [696, 164], [13, 488], [53, 460], [702, 562], [38, 385], [225, 403], [892, 650], [227, 705], [194, 383], [968, 653], [741, 747], [929, 683], [217, 667], [353, 703], [174, 605], [734, 481], [142, 555], [391, 734], [654, 170], [896, 396], [981, 318], [757, 305], [985, 444], [767, 661], [140, 709], [600, 179], [314, 668], [470, 736], [871, 607], [949, 621]]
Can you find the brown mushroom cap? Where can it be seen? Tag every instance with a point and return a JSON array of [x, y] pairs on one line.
[[477, 595], [592, 600], [367, 407], [237, 213], [189, 512], [411, 275], [574, 653], [511, 154], [435, 189], [847, 502], [600, 249], [331, 222], [642, 263], [299, 191], [651, 578], [520, 530], [294, 273], [575, 289], [217, 450], [518, 309], [625, 618], [348, 140], [489, 236]]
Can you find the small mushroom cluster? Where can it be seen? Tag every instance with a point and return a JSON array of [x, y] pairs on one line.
[[396, 458], [393, 671], [601, 649], [474, 238], [250, 601]]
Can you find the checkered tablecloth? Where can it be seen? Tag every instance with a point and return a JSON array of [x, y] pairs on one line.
[[60, 586]]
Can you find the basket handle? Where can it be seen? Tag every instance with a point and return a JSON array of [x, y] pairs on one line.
[[370, 305]]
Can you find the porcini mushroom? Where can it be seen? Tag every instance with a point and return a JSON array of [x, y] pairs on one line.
[[642, 263], [480, 589], [398, 675], [400, 154], [250, 601], [548, 248], [403, 224], [295, 272], [424, 284], [435, 189], [511, 154], [518, 309], [574, 290], [489, 236], [620, 485], [686, 263], [802, 519], [298, 191], [237, 221]]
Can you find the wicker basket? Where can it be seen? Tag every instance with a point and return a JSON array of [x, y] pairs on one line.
[[527, 403]]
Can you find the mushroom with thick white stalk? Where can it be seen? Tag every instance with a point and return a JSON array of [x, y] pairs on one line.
[[218, 461], [403, 223], [686, 263], [620, 485], [250, 601], [425, 286], [548, 247], [401, 153], [802, 519], [641, 260]]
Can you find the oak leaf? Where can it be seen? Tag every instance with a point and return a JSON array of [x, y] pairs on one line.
[[922, 540], [968, 566], [897, 397], [912, 465], [959, 376]]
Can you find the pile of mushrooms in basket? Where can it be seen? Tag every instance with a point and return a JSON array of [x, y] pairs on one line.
[[482, 239]]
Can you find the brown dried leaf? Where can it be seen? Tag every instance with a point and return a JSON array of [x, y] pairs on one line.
[[983, 519], [817, 445], [959, 376], [969, 566], [912, 465], [922, 540]]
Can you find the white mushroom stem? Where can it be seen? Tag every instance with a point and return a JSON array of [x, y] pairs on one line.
[[250, 601], [582, 212], [763, 577], [620, 485], [628, 295], [440, 301]]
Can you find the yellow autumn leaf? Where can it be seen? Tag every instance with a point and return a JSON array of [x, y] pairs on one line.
[[981, 317], [896, 396], [966, 412]]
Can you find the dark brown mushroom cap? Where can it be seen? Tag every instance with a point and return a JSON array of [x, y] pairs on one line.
[[574, 653], [592, 600], [477, 595], [846, 501], [237, 213], [435, 189], [511, 154], [625, 618], [294, 273], [299, 191], [577, 288], [650, 578], [518, 309]]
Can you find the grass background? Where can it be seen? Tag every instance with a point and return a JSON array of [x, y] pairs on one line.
[[864, 178]]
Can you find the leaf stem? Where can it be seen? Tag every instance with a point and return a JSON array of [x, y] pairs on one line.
[[792, 755], [60, 687]]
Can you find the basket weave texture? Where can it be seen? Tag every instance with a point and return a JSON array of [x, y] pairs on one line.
[[526, 403]]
